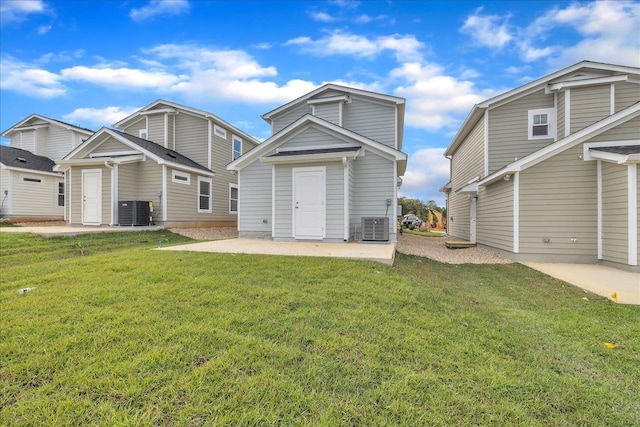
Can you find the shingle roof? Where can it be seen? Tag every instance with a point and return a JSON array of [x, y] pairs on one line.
[[160, 151], [625, 150], [18, 158], [316, 151]]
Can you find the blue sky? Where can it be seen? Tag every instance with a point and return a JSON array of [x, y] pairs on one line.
[[93, 62]]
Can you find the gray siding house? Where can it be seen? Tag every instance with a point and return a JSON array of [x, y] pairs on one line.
[[30, 189], [333, 159], [549, 171], [164, 153]]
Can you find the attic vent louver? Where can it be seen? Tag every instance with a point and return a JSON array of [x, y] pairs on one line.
[[173, 156], [20, 159]]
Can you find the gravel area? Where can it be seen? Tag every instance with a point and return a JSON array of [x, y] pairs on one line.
[[211, 233], [434, 248]]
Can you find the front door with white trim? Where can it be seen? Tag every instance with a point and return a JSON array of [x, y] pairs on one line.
[[91, 196], [309, 203]]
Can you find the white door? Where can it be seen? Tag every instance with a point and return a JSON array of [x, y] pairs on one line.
[[308, 203], [472, 220], [91, 197]]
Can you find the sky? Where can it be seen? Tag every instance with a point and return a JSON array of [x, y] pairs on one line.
[[92, 63]]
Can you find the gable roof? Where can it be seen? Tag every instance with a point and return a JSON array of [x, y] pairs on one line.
[[155, 151], [16, 158], [173, 106], [309, 120], [332, 87], [550, 80], [60, 123], [565, 143]]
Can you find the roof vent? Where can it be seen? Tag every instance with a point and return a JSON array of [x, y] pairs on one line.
[[22, 160], [173, 156]]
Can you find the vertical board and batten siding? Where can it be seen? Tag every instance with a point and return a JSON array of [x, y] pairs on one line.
[[75, 195], [135, 128], [35, 199], [5, 201], [58, 143], [254, 199], [467, 163], [156, 129], [494, 211], [334, 199], [371, 119], [111, 145], [192, 138], [508, 130], [558, 200], [626, 94], [284, 120], [374, 182], [589, 105], [615, 210], [626, 131], [560, 114], [329, 112]]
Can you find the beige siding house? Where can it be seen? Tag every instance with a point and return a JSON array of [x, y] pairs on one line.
[[163, 156], [549, 171], [29, 187], [329, 172]]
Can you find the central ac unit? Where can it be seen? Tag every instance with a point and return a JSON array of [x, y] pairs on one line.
[[375, 229]]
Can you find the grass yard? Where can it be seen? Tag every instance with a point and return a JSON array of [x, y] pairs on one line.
[[118, 334], [423, 233]]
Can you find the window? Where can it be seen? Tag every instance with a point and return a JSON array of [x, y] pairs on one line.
[[204, 195], [233, 199], [61, 194], [142, 133], [181, 177], [35, 180], [542, 123], [221, 132], [236, 147]]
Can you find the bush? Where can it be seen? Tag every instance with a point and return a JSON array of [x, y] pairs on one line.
[[412, 226]]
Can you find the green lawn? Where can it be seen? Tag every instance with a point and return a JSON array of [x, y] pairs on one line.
[[423, 233], [118, 334]]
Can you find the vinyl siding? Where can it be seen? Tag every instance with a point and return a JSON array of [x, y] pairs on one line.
[[467, 163], [508, 130], [289, 117], [128, 181], [352, 190], [312, 137], [27, 141], [373, 120], [615, 237], [558, 199], [626, 95], [560, 114], [35, 199], [58, 143], [135, 128], [5, 201], [183, 201], [156, 129], [255, 198], [334, 199], [75, 195], [329, 112], [192, 138], [589, 105], [149, 186], [638, 208], [170, 131], [494, 211], [221, 155], [374, 183], [111, 145], [624, 132]]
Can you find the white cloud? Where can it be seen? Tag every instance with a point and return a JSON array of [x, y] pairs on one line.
[[99, 116], [517, 70], [29, 80], [404, 47], [159, 7], [363, 19], [263, 45], [487, 30], [322, 17], [43, 29], [19, 10], [121, 77], [427, 171], [348, 4]]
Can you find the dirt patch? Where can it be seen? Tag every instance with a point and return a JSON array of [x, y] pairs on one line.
[[210, 233], [434, 248]]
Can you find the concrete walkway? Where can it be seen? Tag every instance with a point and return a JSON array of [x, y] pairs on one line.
[[381, 252], [66, 230], [601, 280]]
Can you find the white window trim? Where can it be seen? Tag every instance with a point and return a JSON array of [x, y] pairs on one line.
[[210, 181], [219, 131], [64, 198], [237, 199], [551, 115], [233, 142], [145, 132], [175, 173]]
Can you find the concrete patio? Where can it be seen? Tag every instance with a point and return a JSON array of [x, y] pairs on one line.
[[380, 252]]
